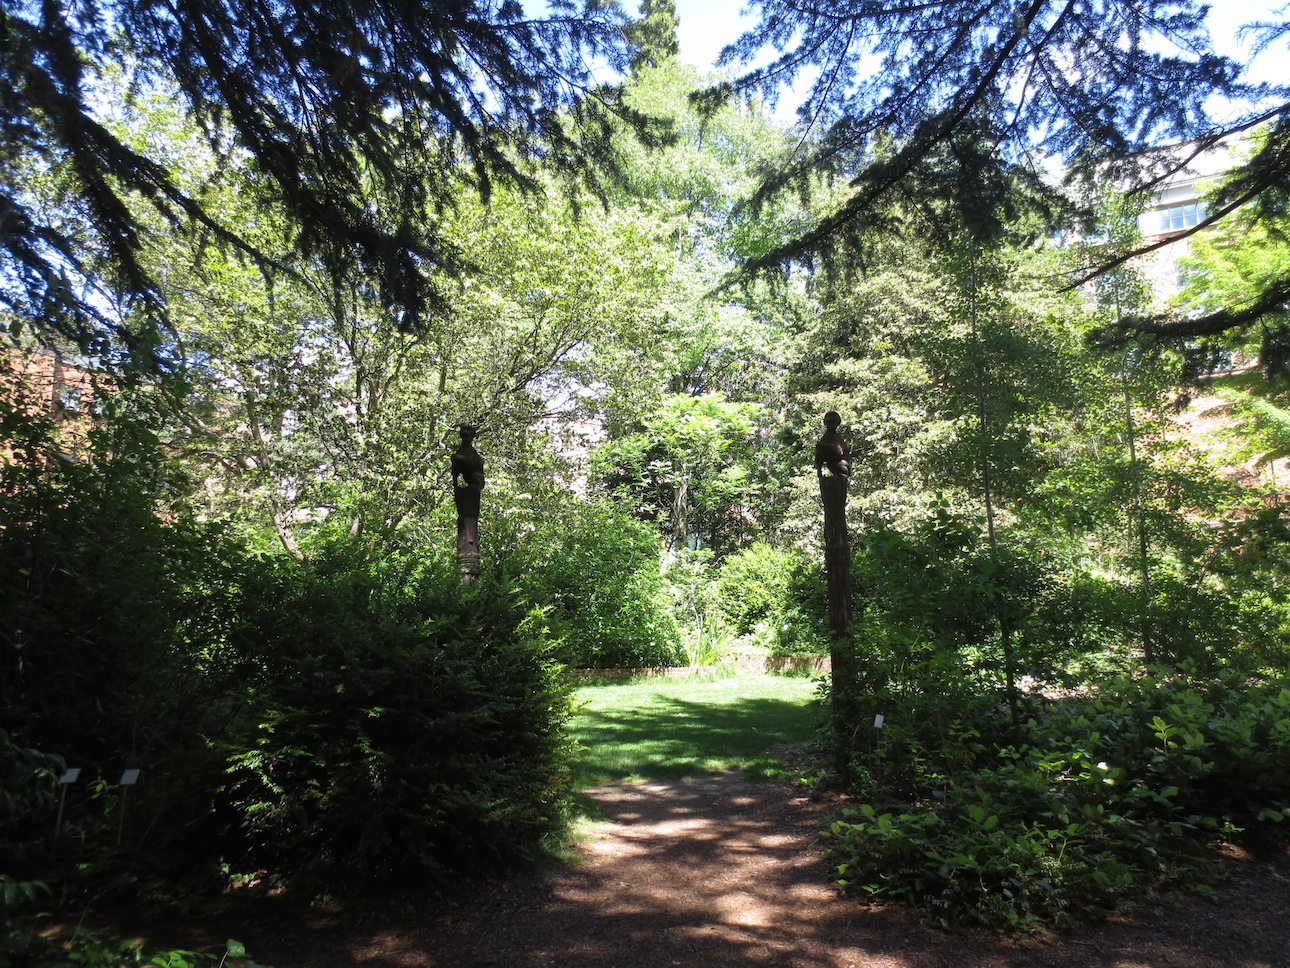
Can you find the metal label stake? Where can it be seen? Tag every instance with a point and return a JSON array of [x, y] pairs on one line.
[[69, 777], [128, 779]]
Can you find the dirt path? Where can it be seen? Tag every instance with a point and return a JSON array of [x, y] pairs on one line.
[[718, 872]]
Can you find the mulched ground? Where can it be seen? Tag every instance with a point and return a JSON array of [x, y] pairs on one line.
[[718, 872]]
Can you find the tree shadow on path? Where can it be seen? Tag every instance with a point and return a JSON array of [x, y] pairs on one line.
[[717, 872]]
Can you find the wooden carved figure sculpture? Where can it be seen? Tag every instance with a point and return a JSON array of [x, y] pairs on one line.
[[833, 468], [467, 483]]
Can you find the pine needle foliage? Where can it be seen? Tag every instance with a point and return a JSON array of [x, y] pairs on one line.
[[353, 111]]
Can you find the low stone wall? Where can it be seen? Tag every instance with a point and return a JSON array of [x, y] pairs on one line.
[[782, 664]]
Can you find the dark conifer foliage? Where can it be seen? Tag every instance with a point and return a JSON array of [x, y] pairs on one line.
[[1098, 84], [1262, 185], [353, 110], [1092, 83]]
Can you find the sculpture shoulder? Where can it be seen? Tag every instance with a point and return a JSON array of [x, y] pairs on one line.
[[467, 457], [831, 447]]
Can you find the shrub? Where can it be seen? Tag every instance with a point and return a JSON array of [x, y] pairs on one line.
[[963, 864], [776, 599], [1111, 795], [693, 603], [595, 574], [26, 805], [753, 585], [1211, 753], [402, 728], [114, 652]]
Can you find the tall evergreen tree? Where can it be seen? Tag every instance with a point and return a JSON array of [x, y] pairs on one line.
[[1247, 216], [350, 109], [1102, 86], [654, 34]]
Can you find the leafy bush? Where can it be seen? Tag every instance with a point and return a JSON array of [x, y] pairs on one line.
[[86, 948], [331, 724], [27, 793], [1109, 796], [401, 727], [595, 574], [931, 582], [27, 801], [1210, 625], [966, 865], [694, 605], [754, 585], [1213, 752], [1101, 797], [115, 651], [26, 804], [776, 599]]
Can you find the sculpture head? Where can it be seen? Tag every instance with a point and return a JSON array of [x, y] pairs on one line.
[[832, 420]]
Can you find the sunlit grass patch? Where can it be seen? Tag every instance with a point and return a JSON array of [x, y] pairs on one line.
[[672, 728]]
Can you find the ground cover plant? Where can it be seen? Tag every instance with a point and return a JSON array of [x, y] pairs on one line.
[[672, 727], [1105, 798]]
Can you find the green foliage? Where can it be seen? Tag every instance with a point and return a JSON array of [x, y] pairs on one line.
[[482, 90], [26, 804], [1109, 796], [962, 75], [595, 574], [1098, 799], [937, 593], [270, 707], [401, 728], [962, 863], [115, 648], [654, 34], [355, 717], [27, 794], [1234, 275], [692, 466], [694, 604], [753, 584], [703, 181], [774, 597], [1261, 430], [86, 950], [1210, 753]]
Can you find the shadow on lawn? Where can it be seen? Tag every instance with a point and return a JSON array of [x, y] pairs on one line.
[[675, 738]]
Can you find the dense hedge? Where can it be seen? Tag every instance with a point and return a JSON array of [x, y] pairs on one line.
[[330, 724], [407, 728]]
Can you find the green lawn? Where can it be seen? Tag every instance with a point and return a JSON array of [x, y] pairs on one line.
[[671, 728]]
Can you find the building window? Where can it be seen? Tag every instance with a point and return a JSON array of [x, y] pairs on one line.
[[1180, 217], [69, 399]]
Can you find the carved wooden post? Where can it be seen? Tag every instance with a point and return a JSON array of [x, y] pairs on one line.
[[467, 483], [833, 469]]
